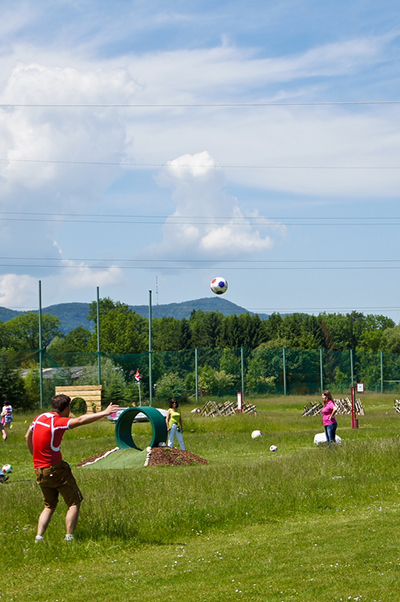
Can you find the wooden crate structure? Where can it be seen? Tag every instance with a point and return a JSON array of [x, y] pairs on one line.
[[90, 393]]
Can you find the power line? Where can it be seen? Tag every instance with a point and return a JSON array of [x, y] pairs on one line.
[[193, 217], [175, 220], [210, 261], [321, 309], [247, 222], [212, 105], [193, 165], [180, 267]]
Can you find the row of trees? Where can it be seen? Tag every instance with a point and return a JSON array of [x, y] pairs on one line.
[[124, 331], [218, 340]]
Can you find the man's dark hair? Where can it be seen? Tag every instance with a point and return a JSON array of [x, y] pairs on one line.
[[60, 402]]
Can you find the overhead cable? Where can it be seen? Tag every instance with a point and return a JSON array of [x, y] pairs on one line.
[[196, 165], [187, 105]]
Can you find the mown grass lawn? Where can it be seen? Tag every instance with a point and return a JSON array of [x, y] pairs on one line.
[[305, 523]]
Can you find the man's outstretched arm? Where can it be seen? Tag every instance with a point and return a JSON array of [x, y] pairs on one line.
[[88, 418]]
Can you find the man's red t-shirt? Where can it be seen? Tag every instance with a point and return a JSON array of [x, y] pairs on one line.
[[48, 430]]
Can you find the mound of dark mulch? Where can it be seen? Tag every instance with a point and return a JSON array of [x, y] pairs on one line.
[[170, 456]]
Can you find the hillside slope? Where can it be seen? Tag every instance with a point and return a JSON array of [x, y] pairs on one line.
[[73, 315]]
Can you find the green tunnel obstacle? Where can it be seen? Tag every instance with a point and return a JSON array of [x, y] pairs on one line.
[[123, 427]]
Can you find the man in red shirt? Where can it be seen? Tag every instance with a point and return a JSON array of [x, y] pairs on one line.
[[53, 475]]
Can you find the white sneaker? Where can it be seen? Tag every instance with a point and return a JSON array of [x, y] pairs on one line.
[[69, 537], [38, 538]]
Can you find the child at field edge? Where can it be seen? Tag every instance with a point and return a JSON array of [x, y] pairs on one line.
[[6, 415], [328, 420]]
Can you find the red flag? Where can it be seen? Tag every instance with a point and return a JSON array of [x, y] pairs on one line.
[[138, 376]]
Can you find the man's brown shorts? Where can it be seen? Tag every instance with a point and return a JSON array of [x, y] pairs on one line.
[[58, 479]]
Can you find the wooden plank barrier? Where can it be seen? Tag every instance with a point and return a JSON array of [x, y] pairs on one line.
[[314, 409], [90, 393], [226, 408], [343, 407]]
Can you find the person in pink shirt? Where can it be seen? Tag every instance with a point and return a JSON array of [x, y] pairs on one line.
[[328, 416]]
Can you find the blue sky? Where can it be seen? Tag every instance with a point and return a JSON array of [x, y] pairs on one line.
[[156, 145]]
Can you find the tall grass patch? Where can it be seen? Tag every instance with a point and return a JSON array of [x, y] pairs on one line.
[[306, 523]]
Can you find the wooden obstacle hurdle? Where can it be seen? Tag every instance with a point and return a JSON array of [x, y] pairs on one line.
[[227, 408], [343, 407], [313, 409], [91, 394]]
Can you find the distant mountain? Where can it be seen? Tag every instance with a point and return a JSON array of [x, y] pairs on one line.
[[73, 315], [184, 309], [8, 314]]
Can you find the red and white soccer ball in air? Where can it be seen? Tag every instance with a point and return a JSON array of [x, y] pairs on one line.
[[219, 285]]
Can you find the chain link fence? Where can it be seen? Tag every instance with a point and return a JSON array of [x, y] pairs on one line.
[[196, 373]]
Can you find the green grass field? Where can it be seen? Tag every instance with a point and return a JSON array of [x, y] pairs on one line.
[[303, 524]]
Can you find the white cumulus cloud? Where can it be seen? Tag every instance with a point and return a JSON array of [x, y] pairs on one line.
[[18, 291], [80, 276], [207, 222], [42, 148]]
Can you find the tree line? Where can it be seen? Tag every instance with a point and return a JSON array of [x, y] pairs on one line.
[[124, 331], [124, 337]]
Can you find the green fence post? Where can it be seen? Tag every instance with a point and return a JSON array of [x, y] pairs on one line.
[[242, 370], [196, 373], [381, 354], [321, 369], [40, 345], [98, 338], [284, 371], [150, 353]]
